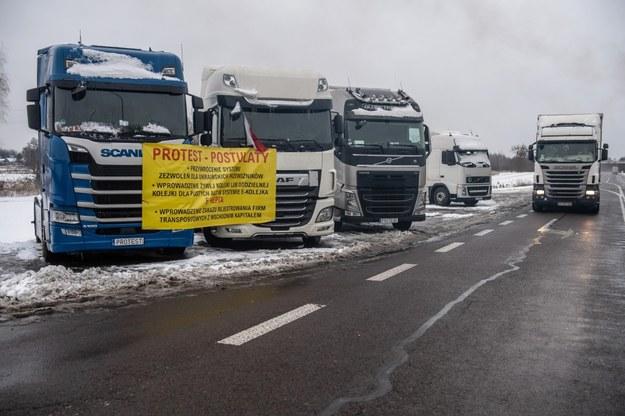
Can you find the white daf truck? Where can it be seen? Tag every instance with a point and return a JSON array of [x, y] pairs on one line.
[[380, 152], [290, 112], [458, 169], [567, 155]]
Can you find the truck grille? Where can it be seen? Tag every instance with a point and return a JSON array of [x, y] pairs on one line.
[[295, 206], [388, 194], [478, 179], [478, 190], [563, 183], [105, 190]]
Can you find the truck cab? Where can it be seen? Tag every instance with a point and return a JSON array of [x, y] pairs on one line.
[[567, 155], [288, 111], [93, 107], [458, 169], [381, 146]]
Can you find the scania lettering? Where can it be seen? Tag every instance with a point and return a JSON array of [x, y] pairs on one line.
[[121, 153], [380, 151], [290, 112], [94, 106], [458, 169], [567, 159]]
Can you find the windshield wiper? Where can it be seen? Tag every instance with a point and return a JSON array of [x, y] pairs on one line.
[[285, 141], [409, 146], [311, 141]]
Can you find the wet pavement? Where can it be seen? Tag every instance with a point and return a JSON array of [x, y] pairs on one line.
[[521, 315]]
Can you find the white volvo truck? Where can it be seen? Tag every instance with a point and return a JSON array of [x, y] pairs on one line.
[[567, 155], [290, 112], [381, 147], [458, 169]]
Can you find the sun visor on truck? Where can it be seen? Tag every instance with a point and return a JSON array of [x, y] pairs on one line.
[[229, 101]]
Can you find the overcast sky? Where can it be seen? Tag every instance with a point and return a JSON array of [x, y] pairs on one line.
[[484, 66]]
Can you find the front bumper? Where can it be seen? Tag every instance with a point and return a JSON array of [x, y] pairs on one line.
[[585, 202], [251, 231], [61, 240]]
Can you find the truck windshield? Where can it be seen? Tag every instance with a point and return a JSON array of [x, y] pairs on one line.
[[106, 114], [473, 158], [566, 152], [289, 130], [386, 135]]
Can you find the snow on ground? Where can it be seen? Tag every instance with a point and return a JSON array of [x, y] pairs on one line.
[[505, 180], [28, 285], [15, 217]]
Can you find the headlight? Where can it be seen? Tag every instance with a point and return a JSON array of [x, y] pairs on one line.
[[325, 214], [64, 217], [352, 208], [230, 81], [540, 192], [76, 148], [591, 192]]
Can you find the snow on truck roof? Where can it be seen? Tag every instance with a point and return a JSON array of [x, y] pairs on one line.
[[105, 63], [552, 120], [465, 141], [263, 84]]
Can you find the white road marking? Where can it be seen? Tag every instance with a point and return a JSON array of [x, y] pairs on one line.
[[621, 199], [545, 227], [484, 232], [521, 216], [391, 272], [449, 247], [506, 222], [270, 325]]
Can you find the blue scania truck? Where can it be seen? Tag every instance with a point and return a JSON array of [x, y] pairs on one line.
[[94, 107]]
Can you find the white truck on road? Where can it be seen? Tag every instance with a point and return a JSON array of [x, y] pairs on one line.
[[567, 155], [381, 146], [458, 169], [290, 112]]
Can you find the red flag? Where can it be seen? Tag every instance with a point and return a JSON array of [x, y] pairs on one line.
[[251, 138]]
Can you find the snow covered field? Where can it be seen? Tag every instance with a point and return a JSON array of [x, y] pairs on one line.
[[504, 180], [29, 286]]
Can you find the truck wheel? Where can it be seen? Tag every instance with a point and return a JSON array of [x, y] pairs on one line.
[[470, 202], [338, 226], [441, 196], [537, 207], [48, 256], [174, 252], [37, 239], [310, 242], [211, 240], [402, 225]]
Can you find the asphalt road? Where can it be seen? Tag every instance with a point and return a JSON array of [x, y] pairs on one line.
[[525, 319]]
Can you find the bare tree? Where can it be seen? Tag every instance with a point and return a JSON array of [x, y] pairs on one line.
[[4, 88]]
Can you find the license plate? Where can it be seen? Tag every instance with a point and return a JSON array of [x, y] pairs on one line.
[[565, 204], [389, 220], [135, 241]]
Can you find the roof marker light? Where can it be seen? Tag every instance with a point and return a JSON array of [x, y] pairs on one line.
[[322, 85], [230, 81], [169, 71]]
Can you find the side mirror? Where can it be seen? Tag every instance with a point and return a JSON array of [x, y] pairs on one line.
[[338, 124], [530, 153], [33, 95], [448, 157], [604, 153], [199, 122], [33, 112], [79, 92], [196, 102], [426, 132]]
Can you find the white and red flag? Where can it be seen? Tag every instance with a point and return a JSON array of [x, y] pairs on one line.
[[251, 138]]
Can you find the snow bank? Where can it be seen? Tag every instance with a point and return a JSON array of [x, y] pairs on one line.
[[17, 213], [504, 180], [113, 65], [8, 177]]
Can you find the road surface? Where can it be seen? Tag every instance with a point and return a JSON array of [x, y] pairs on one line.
[[520, 316]]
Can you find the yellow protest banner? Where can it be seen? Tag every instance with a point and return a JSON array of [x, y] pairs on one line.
[[187, 186]]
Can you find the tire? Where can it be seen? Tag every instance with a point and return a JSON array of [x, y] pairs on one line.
[[402, 225], [310, 242], [174, 252], [37, 239], [338, 226], [470, 202], [441, 196], [211, 240], [537, 207], [48, 256]]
